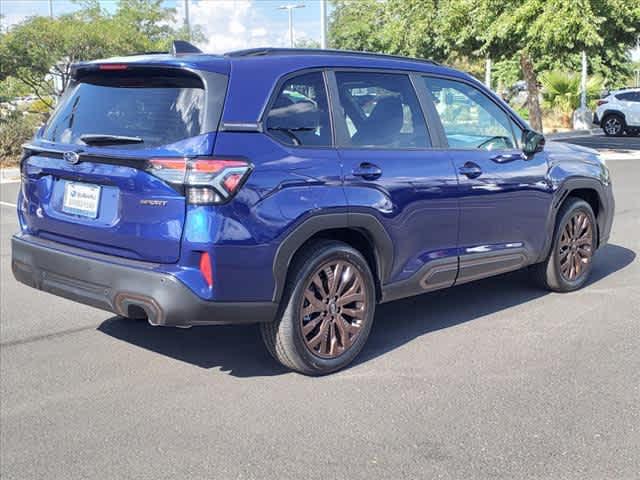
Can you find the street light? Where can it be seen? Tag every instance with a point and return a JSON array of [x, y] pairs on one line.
[[187, 20], [290, 9]]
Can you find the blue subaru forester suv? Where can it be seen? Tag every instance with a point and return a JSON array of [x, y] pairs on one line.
[[297, 189]]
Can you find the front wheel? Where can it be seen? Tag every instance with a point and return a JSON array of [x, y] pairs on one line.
[[328, 310], [570, 261]]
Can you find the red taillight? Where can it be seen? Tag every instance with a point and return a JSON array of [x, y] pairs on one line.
[[113, 66], [205, 268], [207, 180], [601, 102]]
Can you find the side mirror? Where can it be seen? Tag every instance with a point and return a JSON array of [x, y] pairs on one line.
[[532, 142]]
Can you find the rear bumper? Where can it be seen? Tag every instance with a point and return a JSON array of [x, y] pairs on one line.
[[122, 286], [596, 120]]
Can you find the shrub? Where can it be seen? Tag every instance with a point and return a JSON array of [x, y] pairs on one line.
[[561, 90], [15, 129]]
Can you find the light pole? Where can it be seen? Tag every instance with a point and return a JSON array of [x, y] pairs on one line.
[[583, 82], [187, 20], [51, 8], [323, 24], [290, 9]]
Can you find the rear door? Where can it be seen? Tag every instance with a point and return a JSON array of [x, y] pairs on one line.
[[87, 180], [392, 171]]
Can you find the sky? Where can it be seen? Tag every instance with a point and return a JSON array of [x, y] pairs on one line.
[[227, 24]]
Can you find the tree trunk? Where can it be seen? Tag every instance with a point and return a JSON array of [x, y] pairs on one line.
[[533, 101]]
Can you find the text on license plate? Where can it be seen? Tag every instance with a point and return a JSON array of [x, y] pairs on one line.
[[81, 199]]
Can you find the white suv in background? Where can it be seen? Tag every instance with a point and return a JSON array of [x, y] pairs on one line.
[[619, 112]]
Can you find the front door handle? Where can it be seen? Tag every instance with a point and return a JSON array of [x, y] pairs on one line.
[[470, 170], [368, 171], [508, 157]]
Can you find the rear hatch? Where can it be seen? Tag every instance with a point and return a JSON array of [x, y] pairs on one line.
[[86, 176]]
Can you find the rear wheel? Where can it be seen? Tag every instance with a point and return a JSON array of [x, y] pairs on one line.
[[570, 260], [613, 125], [327, 310]]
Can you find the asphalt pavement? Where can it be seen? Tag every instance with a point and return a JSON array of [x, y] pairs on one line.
[[493, 379], [602, 142]]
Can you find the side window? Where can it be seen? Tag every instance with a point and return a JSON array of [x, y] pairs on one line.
[[629, 97], [300, 114], [381, 110], [470, 119]]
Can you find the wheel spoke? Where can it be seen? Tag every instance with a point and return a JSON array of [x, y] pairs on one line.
[[352, 328], [318, 305], [584, 241], [354, 312], [319, 284], [347, 275], [319, 338], [333, 274], [345, 338], [308, 327], [348, 299]]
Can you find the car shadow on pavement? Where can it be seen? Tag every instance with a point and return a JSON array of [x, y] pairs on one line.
[[239, 351]]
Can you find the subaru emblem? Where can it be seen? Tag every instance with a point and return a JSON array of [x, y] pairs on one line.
[[71, 157]]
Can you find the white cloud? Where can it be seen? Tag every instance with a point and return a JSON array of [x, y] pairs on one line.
[[237, 24], [230, 25]]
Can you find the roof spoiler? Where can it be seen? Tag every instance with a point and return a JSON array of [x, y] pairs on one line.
[[181, 47]]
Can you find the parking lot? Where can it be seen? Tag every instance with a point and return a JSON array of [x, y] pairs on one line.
[[494, 379]]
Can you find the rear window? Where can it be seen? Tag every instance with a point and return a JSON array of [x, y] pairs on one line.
[[158, 109]]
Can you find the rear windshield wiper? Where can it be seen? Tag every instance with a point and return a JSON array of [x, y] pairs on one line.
[[101, 139]]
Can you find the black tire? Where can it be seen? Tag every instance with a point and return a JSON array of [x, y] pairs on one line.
[[284, 337], [613, 125], [550, 273]]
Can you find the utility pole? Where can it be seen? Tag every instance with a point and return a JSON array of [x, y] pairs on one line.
[[583, 83], [323, 23], [487, 73], [51, 8], [289, 8], [187, 20]]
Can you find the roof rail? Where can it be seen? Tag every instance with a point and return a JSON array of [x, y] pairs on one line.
[[263, 52], [181, 47]]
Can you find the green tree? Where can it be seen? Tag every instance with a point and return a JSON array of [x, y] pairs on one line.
[[544, 33], [526, 35], [399, 27], [40, 51]]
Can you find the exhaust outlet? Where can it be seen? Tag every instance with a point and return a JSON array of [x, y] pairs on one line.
[[126, 302]]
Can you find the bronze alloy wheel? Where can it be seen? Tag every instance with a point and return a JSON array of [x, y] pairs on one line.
[[575, 249], [334, 307]]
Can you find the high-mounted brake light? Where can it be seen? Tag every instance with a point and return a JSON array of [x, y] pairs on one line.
[[207, 181], [113, 66]]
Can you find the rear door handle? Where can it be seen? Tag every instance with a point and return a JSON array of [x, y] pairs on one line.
[[368, 171], [470, 170]]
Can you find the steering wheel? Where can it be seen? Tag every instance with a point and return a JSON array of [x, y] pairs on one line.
[[494, 139]]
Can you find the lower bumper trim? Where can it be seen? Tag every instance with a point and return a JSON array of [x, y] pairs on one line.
[[122, 288]]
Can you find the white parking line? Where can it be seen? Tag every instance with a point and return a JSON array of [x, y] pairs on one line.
[[7, 204]]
